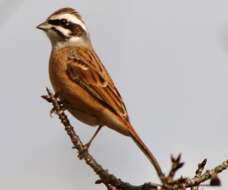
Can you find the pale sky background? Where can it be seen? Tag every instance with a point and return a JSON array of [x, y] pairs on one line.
[[169, 60]]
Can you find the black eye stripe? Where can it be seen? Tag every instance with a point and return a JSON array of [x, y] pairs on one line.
[[61, 22], [54, 22]]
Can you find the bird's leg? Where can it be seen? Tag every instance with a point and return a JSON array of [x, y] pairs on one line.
[[87, 145]]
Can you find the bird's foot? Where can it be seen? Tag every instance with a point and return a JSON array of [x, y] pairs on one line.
[[84, 150]]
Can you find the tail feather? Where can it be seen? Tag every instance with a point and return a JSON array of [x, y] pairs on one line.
[[146, 151]]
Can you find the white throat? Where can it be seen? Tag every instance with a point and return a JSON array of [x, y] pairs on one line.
[[73, 41]]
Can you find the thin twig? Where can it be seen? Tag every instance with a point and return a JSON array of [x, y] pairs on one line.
[[176, 165], [199, 172], [207, 175], [200, 168]]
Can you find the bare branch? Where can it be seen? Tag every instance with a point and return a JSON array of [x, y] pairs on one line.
[[207, 175], [113, 183], [106, 178]]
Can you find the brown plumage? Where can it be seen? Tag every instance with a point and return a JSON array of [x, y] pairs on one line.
[[81, 80], [78, 69], [68, 10], [86, 69]]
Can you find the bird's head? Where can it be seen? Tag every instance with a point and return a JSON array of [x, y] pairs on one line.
[[65, 26]]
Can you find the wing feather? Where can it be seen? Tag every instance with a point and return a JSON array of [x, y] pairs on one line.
[[85, 68]]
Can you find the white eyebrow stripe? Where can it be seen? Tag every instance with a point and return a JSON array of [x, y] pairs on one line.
[[70, 18], [64, 31]]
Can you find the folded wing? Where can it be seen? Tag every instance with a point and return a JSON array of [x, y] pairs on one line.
[[85, 68]]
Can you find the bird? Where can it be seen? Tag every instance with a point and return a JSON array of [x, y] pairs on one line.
[[81, 80]]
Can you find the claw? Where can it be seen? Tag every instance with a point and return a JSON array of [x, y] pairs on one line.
[[83, 151]]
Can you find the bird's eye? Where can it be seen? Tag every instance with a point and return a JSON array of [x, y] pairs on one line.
[[63, 21]]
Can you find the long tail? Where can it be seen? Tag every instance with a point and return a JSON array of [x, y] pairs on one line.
[[146, 151]]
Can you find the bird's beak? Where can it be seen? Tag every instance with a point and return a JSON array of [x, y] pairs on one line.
[[44, 26]]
